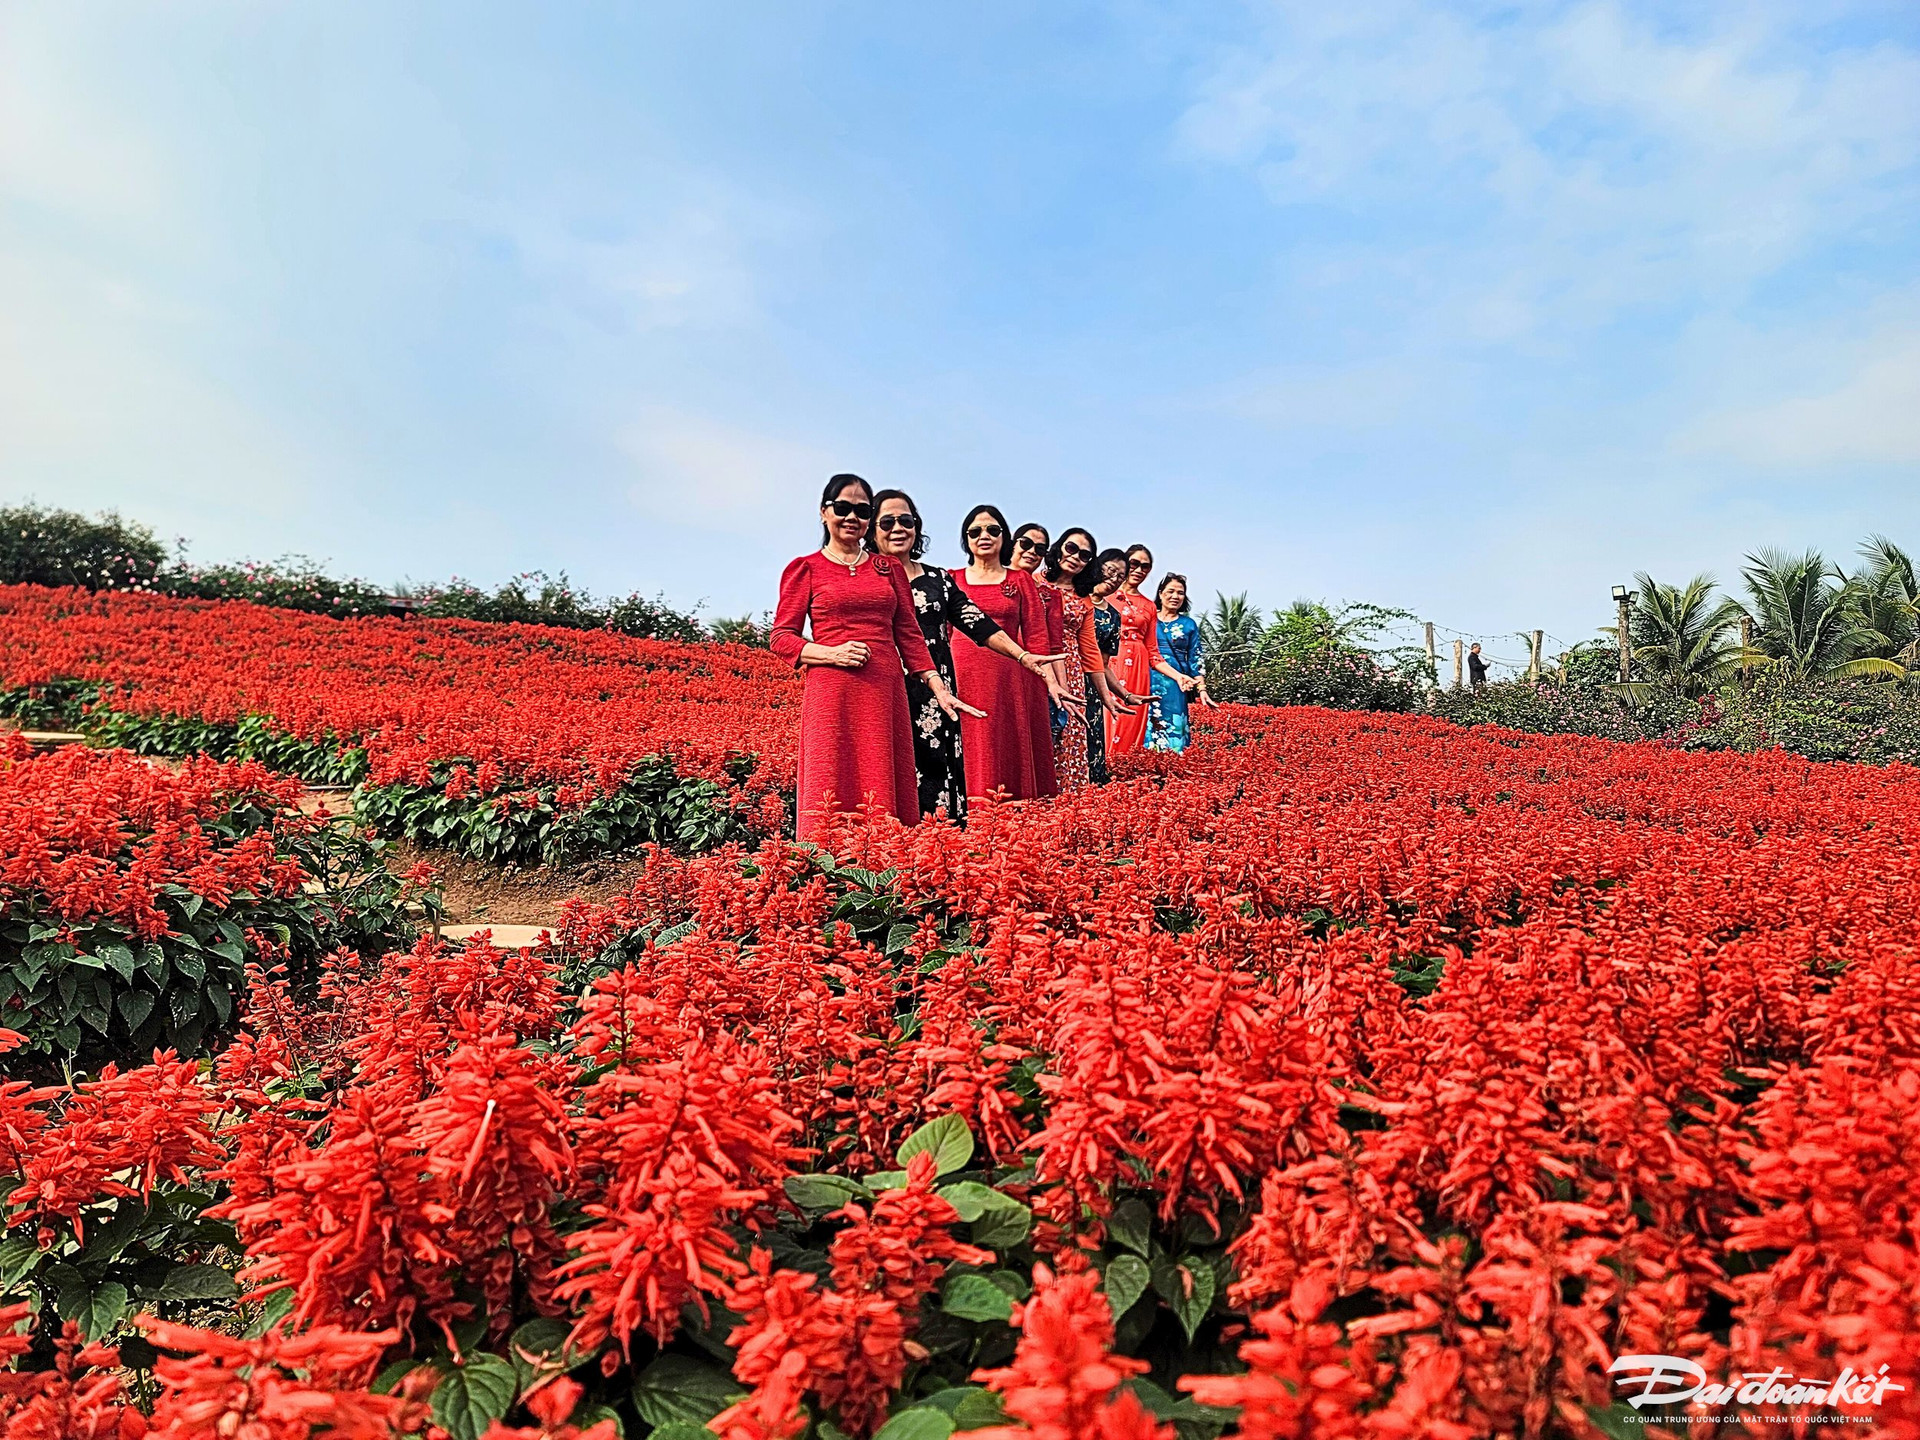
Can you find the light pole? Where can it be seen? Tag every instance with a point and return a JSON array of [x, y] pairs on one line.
[[1622, 598]]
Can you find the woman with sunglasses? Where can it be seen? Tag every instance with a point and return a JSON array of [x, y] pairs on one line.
[[1070, 576], [1111, 568], [1030, 546], [942, 609], [1140, 658], [856, 733], [1012, 749], [1180, 644]]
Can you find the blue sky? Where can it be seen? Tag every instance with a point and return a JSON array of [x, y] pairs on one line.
[[1466, 308]]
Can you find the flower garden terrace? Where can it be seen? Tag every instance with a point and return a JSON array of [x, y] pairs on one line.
[[1418, 1071], [507, 741]]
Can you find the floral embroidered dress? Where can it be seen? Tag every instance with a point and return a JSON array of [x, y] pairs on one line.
[[1106, 636], [856, 740], [942, 608], [1071, 751], [1181, 648]]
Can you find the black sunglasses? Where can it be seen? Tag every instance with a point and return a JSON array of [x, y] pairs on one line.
[[1139, 564], [889, 523], [1027, 542], [859, 509], [992, 532], [1079, 552]]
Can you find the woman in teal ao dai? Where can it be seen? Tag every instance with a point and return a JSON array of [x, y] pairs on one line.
[[1181, 647]]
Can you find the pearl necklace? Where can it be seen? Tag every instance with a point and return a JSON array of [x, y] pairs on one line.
[[853, 566]]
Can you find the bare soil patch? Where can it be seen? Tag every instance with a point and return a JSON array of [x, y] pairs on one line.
[[478, 893]]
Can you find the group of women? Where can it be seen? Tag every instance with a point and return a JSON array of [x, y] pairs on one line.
[[1018, 673]]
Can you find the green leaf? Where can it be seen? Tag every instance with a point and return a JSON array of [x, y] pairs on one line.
[[390, 1376], [1005, 1224], [979, 1409], [136, 1006], [98, 1308], [1126, 1281], [969, 1198], [1188, 1290], [675, 1387], [922, 1422], [975, 1297], [946, 1138], [882, 1180], [269, 1313], [119, 959], [824, 1192], [681, 1430], [195, 1282], [18, 1256], [1130, 1224], [900, 936], [471, 1397]]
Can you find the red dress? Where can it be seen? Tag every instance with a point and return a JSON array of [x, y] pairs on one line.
[[1139, 648], [1012, 749], [856, 738]]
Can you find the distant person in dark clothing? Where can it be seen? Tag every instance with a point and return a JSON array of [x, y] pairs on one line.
[[1476, 667]]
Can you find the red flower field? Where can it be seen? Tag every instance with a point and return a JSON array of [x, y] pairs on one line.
[[1346, 1076]]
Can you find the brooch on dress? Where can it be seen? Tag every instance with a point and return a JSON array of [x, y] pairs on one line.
[[881, 566], [1007, 589]]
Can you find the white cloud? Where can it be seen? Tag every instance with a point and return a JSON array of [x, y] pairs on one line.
[[1871, 416], [1558, 167]]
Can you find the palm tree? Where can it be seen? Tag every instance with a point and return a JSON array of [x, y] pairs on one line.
[[1809, 619], [1231, 632], [1888, 600], [1681, 636]]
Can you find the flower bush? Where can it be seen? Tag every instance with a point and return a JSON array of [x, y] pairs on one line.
[[1349, 1075], [133, 899], [503, 741]]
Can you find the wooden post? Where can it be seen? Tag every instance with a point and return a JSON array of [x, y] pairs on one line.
[[1626, 644], [1533, 670], [1433, 657], [1459, 661]]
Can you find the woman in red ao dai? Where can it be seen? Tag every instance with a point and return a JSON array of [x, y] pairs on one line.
[[1010, 749], [860, 642]]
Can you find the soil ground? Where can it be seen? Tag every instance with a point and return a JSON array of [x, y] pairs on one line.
[[479, 893]]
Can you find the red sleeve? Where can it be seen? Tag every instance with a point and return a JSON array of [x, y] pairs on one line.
[[796, 598], [907, 638], [1089, 643], [1153, 633]]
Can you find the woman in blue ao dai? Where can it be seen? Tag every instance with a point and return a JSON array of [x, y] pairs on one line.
[[1181, 648]]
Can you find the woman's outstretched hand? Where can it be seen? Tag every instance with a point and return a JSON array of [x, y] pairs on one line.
[[1035, 662], [1074, 704], [1118, 704], [955, 707]]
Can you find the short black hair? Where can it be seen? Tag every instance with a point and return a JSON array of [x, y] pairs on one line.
[[1006, 534], [839, 483], [1173, 577], [919, 525], [1104, 559], [1089, 573]]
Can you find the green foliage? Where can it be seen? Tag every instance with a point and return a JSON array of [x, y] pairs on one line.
[[158, 1254], [1809, 618], [39, 546], [1681, 638], [294, 582], [92, 991], [528, 826]]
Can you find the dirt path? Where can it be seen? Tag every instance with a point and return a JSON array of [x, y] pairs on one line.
[[479, 893]]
